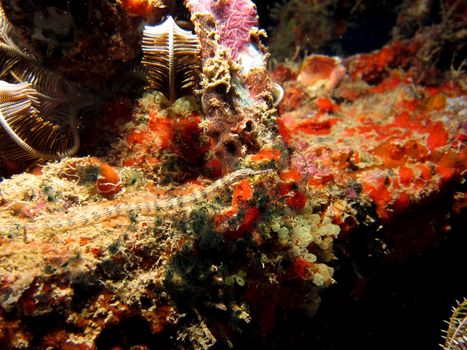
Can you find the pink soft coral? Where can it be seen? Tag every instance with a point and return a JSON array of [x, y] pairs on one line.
[[235, 20]]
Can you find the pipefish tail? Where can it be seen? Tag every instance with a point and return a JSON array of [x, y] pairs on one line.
[[158, 207]]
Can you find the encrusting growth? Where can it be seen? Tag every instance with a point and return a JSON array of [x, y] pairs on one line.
[[146, 208]]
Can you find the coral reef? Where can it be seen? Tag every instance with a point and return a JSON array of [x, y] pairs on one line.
[[218, 211], [185, 289], [387, 145]]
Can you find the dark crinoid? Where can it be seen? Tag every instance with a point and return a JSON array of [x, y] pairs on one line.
[[172, 57], [37, 116], [25, 134]]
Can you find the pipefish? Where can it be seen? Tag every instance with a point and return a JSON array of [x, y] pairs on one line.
[[159, 206]]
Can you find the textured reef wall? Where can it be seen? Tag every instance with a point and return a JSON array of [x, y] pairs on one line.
[[206, 222]]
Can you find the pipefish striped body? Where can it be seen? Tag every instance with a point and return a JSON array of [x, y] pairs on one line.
[[98, 214]]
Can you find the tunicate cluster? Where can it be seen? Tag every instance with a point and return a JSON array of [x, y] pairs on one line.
[[310, 238], [155, 100]]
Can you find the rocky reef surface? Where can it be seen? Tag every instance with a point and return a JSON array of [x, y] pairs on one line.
[[239, 212]]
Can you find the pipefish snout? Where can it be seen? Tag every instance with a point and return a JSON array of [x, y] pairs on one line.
[[93, 215]]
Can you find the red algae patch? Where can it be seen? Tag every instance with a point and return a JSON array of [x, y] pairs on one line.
[[320, 73], [389, 141], [266, 154], [243, 192], [143, 8]]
